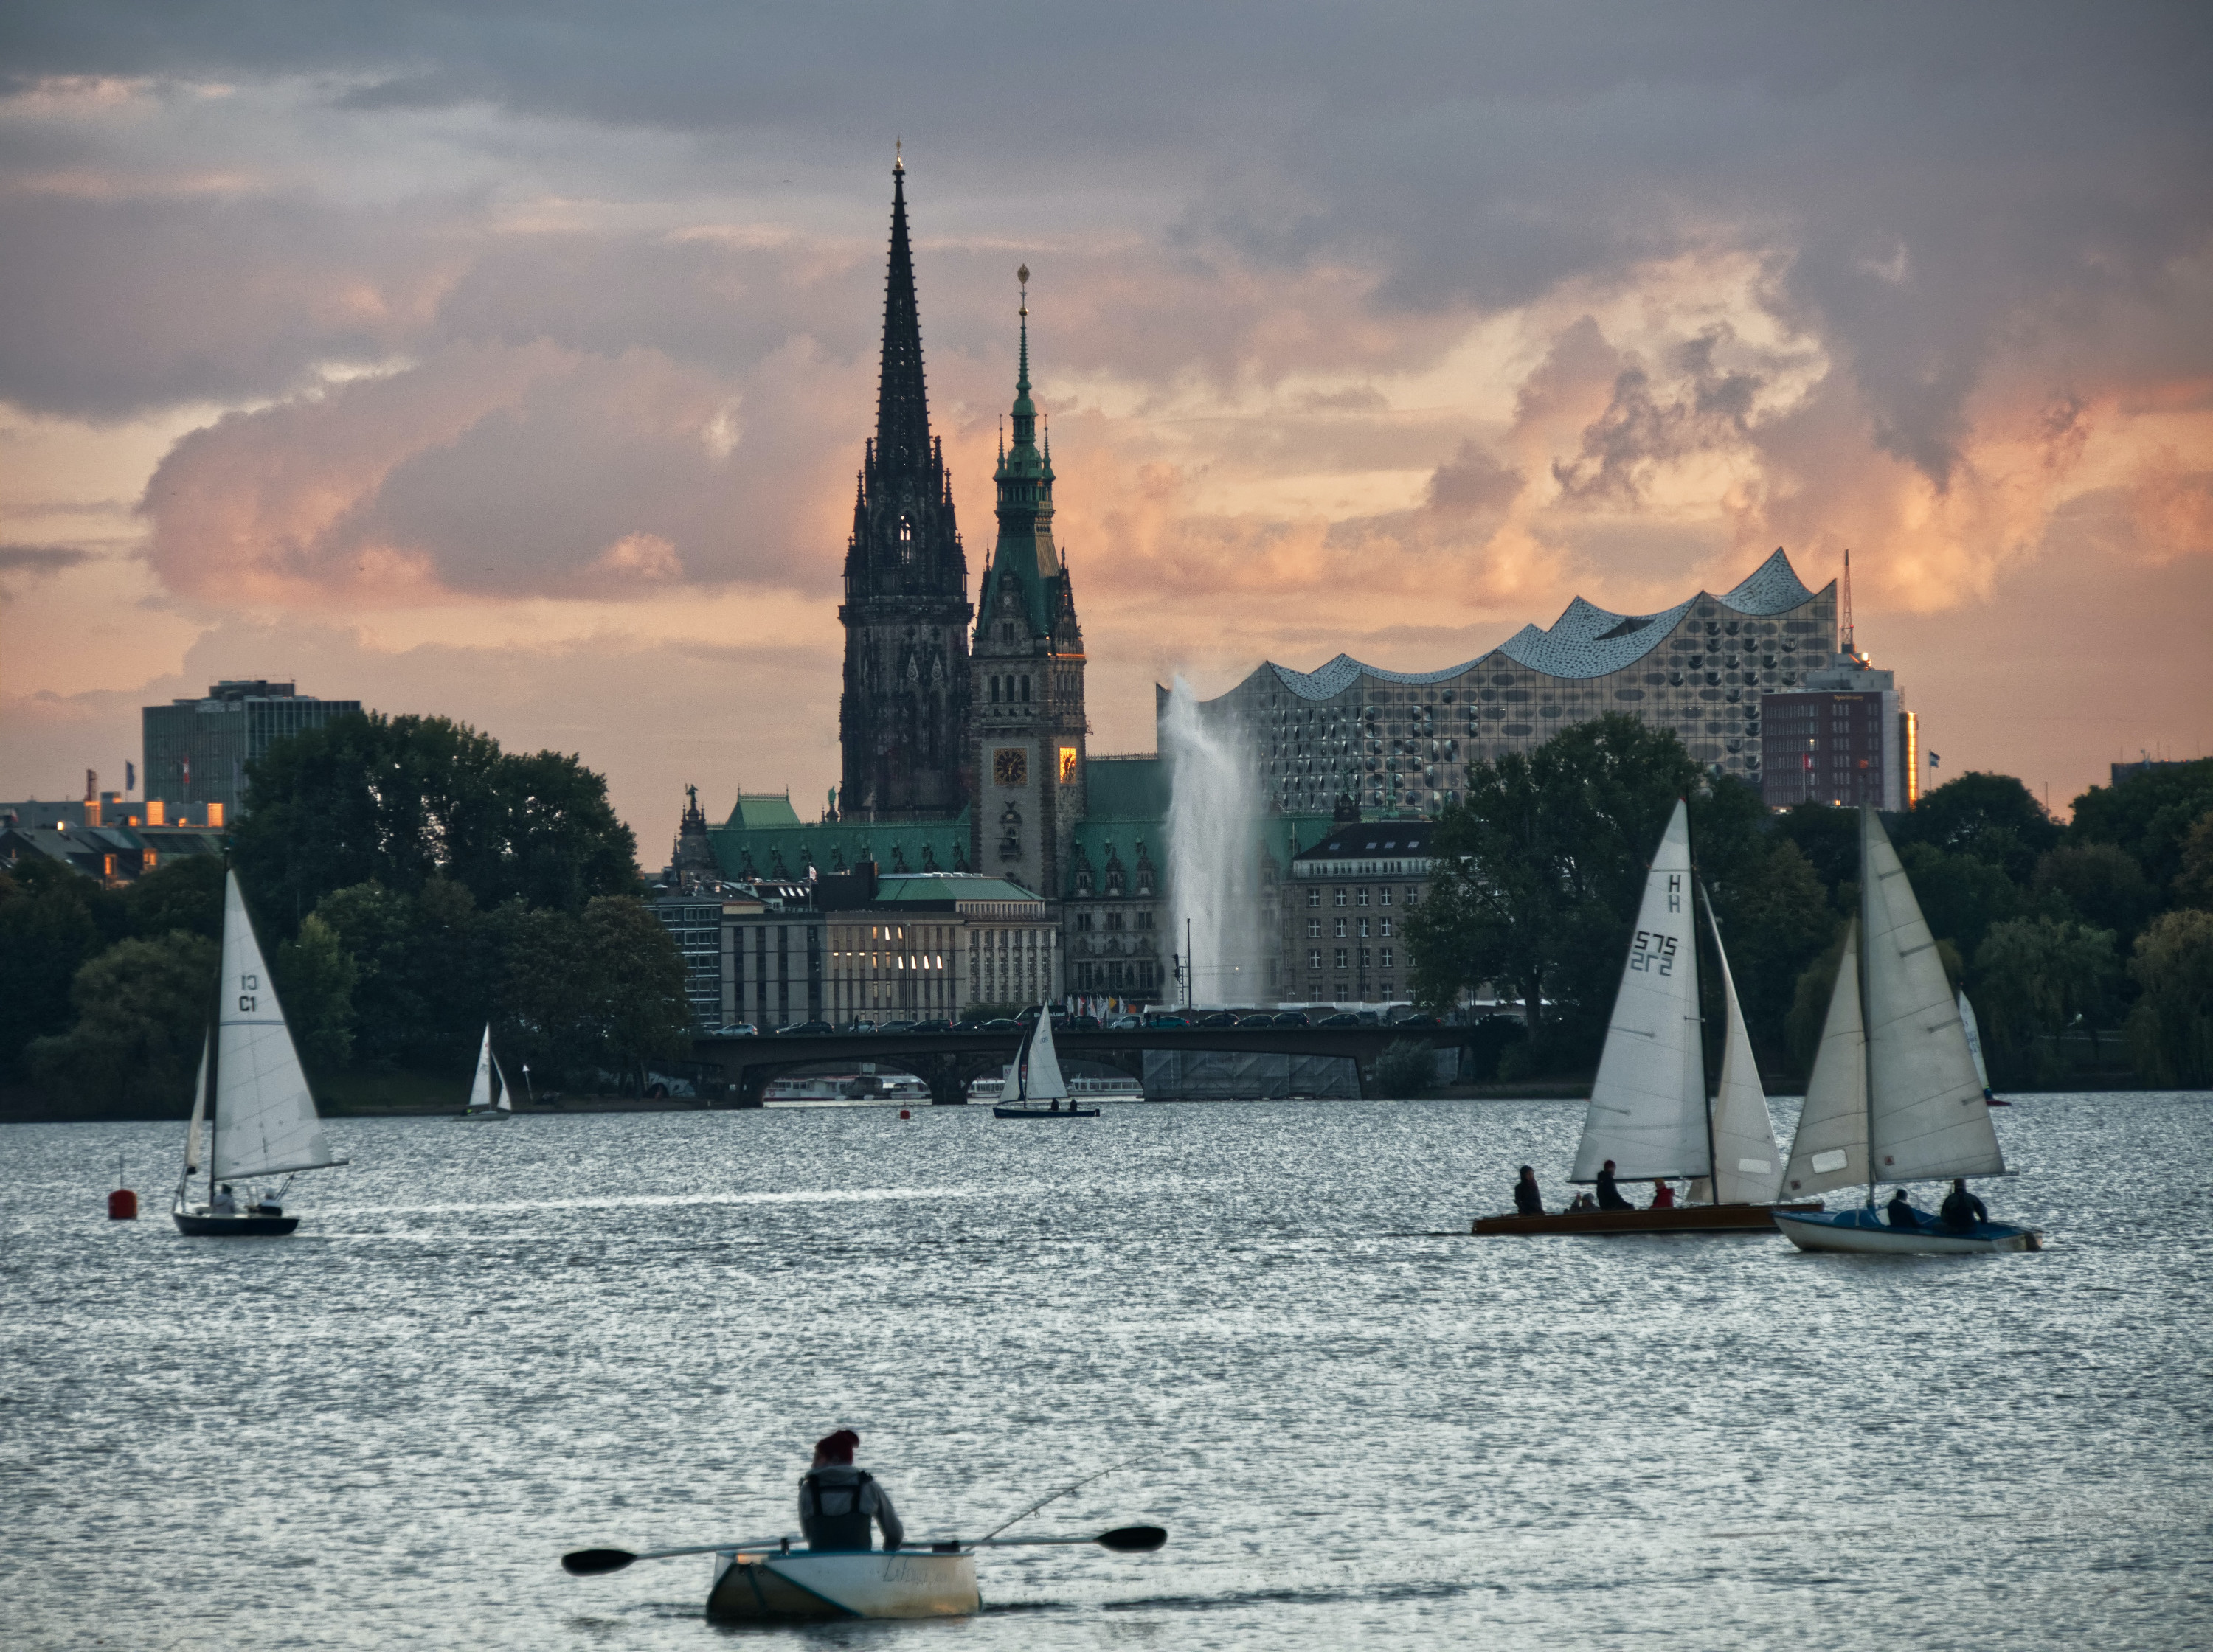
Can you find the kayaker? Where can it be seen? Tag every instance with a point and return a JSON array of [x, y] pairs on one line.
[[1663, 1196], [1609, 1196], [1527, 1201], [1901, 1212], [1961, 1210], [837, 1501]]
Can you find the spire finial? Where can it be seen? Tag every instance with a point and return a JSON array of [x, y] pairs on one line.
[[1022, 378], [899, 161]]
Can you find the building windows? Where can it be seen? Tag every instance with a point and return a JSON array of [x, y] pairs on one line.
[[1340, 962], [1313, 897], [1313, 958], [1413, 897], [1340, 929], [1363, 901], [1386, 933], [1365, 962], [1386, 962], [1314, 928], [1340, 896], [1383, 896], [1363, 929]]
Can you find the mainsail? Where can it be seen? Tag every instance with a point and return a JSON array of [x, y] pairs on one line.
[[264, 1120], [1039, 1078], [1830, 1149], [1974, 1039], [1926, 1117], [480, 1090], [506, 1091], [1748, 1166], [1648, 1106]]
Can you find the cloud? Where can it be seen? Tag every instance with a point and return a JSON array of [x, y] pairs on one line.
[[39, 558]]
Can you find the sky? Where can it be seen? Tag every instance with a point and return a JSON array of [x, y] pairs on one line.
[[512, 361]]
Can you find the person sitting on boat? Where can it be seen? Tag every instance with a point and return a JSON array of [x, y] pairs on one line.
[[1527, 1201], [223, 1204], [1609, 1196], [1961, 1210], [1901, 1212], [837, 1501], [1663, 1196]]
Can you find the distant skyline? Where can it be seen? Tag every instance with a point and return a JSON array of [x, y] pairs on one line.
[[515, 366]]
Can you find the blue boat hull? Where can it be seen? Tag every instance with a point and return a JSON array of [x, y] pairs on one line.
[[1865, 1231]]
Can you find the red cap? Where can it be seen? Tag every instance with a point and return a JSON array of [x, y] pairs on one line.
[[837, 1447]]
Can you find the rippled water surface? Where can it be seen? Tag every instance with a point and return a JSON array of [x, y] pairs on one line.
[[488, 1344]]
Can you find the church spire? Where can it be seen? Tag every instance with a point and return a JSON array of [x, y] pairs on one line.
[[902, 405]]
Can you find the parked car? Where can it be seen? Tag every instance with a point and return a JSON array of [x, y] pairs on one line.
[[895, 1027], [737, 1030], [1219, 1018], [806, 1028], [933, 1027], [1343, 1018], [858, 1026], [1417, 1021], [1082, 1023], [1292, 1018], [1003, 1025], [1123, 1024], [1256, 1020], [1166, 1020]]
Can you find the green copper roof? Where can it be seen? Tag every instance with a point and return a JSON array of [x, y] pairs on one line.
[[763, 810], [971, 886], [1025, 552], [786, 850]]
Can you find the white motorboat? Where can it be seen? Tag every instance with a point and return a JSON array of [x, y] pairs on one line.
[[482, 1090], [1896, 1094], [252, 1093], [778, 1587]]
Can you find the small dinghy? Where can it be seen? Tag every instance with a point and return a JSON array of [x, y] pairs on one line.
[[1896, 1094], [1035, 1076], [481, 1092], [254, 1095]]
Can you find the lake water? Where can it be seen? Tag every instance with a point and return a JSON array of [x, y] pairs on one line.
[[491, 1342]]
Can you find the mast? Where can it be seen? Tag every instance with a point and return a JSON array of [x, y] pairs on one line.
[[215, 1049], [1698, 1003], [1860, 964]]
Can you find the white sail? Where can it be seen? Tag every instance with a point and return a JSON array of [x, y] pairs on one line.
[[480, 1089], [199, 1109], [506, 1092], [1974, 1039], [1926, 1115], [1648, 1107], [265, 1120], [1830, 1149], [1040, 1064], [1748, 1165]]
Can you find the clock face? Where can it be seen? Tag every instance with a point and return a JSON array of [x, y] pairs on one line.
[[1010, 766]]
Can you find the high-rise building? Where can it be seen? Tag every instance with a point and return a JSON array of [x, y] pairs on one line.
[[1026, 665], [197, 751], [903, 716], [1846, 737]]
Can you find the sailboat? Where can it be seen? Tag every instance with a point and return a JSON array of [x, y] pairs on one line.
[[1034, 1076], [251, 1094], [1974, 1031], [1895, 1093], [1649, 1111], [481, 1105]]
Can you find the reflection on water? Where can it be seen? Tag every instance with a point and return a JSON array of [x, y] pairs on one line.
[[484, 1347]]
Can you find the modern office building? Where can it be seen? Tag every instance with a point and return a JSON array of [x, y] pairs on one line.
[[197, 751], [1844, 738]]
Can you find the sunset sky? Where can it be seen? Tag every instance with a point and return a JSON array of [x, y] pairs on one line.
[[512, 362]]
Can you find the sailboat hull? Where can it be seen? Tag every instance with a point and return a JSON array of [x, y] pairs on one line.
[[484, 1113], [199, 1224], [1864, 1233], [797, 1588], [1676, 1219], [1044, 1112]]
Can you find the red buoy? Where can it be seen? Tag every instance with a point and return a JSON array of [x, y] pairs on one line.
[[903, 1114], [123, 1205]]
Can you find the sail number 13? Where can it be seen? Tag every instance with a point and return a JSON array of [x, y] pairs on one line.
[[249, 985], [1654, 953]]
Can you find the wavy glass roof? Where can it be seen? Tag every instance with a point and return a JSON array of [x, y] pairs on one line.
[[1585, 641]]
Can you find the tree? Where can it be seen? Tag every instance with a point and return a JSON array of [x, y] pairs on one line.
[[2148, 814], [1776, 920], [142, 1017], [546, 1009], [47, 933], [402, 801], [2193, 884], [1989, 817], [2033, 978], [1406, 1069], [179, 894], [427, 967], [1829, 839], [2101, 883], [2171, 1029], [314, 983], [638, 984], [1961, 895]]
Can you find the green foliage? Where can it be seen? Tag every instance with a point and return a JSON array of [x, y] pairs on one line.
[[1809, 1003], [2149, 814], [2099, 883], [639, 982], [1406, 1069], [2171, 1030], [1961, 895], [2193, 884], [2033, 978], [1776, 921], [178, 894], [1829, 839], [142, 1016], [314, 983], [1992, 818], [48, 932], [404, 802], [426, 971]]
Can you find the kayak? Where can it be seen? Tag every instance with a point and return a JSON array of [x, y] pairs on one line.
[[785, 1587]]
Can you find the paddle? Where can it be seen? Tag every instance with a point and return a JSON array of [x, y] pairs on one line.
[[1123, 1539]]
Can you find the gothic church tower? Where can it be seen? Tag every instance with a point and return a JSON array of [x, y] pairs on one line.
[[903, 718], [1025, 669]]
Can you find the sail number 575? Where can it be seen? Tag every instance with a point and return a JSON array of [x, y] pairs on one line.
[[1654, 954]]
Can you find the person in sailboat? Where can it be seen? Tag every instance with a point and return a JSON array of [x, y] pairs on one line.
[[1663, 1196], [837, 1501], [1609, 1196], [1901, 1212], [1527, 1201], [224, 1204], [1961, 1210]]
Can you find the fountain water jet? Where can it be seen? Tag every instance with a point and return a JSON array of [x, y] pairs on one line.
[[1213, 803]]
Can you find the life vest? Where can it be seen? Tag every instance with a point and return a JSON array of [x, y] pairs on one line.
[[839, 1521]]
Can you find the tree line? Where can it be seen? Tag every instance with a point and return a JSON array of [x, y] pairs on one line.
[[2102, 929], [410, 882]]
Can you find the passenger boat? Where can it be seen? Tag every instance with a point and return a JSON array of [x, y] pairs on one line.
[[1035, 1076], [779, 1586], [252, 1093], [482, 1090], [1649, 1111], [1895, 1095]]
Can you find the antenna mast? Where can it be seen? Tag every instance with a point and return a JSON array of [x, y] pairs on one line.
[[1850, 646]]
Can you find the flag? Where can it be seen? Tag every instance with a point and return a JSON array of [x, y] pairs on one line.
[[1933, 760], [130, 775]]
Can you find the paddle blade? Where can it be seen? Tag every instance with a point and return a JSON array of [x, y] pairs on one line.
[[590, 1562], [1133, 1539]]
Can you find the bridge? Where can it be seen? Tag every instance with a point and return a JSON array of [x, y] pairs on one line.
[[949, 1062]]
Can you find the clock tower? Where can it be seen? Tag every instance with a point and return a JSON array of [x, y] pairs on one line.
[[1025, 671]]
